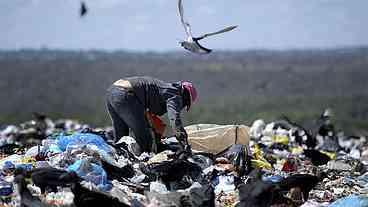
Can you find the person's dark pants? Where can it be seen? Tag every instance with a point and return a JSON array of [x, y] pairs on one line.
[[126, 111]]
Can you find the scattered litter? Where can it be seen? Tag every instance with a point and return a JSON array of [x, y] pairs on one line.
[[214, 138], [270, 164], [356, 201]]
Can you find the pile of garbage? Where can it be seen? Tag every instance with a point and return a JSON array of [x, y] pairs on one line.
[[65, 163]]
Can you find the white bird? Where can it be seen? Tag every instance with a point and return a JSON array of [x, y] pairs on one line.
[[192, 43]]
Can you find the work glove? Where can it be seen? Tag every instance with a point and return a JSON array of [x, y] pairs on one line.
[[188, 148], [182, 136], [184, 153]]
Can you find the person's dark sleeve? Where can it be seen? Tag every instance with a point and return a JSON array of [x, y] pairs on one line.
[[174, 106]]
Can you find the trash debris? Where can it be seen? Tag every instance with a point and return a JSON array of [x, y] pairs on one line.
[[257, 128], [90, 172], [356, 201], [237, 154], [316, 157], [338, 165], [214, 138], [66, 163], [6, 188], [256, 192], [49, 178]]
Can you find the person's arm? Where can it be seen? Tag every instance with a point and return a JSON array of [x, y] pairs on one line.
[[174, 107]]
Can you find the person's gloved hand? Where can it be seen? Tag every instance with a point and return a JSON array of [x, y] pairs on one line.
[[184, 153], [188, 149], [182, 136]]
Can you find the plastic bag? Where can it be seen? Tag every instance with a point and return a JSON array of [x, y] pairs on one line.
[[225, 184], [158, 187], [90, 172], [261, 164], [282, 139], [255, 193], [60, 198], [15, 159], [238, 156], [259, 161], [50, 146], [350, 201], [201, 160], [130, 144], [6, 188], [34, 151], [87, 140], [257, 128], [8, 166], [273, 178], [214, 138], [83, 138], [196, 195]]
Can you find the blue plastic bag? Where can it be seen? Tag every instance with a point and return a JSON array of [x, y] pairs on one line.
[[273, 178], [91, 172], [350, 201], [25, 166], [93, 141], [6, 188], [83, 139], [8, 165]]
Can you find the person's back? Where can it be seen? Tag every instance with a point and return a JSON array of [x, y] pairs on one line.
[[154, 93]]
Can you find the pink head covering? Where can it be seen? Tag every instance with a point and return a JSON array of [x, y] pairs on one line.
[[192, 91]]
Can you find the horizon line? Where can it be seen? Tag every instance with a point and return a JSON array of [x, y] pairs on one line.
[[347, 47]]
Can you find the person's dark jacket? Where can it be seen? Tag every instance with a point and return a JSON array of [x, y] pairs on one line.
[[160, 97]]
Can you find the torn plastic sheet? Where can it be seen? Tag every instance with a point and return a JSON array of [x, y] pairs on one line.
[[92, 173]]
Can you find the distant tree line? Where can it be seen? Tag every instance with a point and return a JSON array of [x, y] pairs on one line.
[[234, 86]]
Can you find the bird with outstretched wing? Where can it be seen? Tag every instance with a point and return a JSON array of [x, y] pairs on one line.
[[192, 43]]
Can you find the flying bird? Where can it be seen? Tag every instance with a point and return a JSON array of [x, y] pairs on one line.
[[192, 43], [83, 9]]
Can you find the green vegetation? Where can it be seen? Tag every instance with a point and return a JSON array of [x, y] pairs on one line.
[[234, 87], [349, 116]]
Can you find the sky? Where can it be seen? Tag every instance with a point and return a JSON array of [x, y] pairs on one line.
[[154, 25]]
